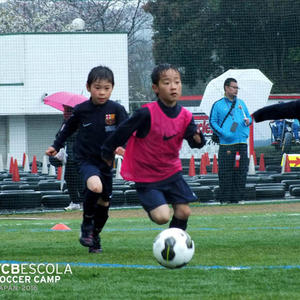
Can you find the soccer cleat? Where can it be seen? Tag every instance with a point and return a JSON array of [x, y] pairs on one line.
[[73, 206], [96, 248], [86, 237]]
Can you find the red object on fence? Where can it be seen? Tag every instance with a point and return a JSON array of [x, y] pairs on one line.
[[207, 159], [34, 166], [203, 163], [215, 167], [59, 173], [287, 167], [237, 160], [15, 173], [24, 160], [192, 171], [11, 165], [254, 158], [262, 166]]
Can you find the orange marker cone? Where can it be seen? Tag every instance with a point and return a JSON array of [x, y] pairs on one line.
[[215, 168], [15, 174], [34, 166], [59, 172], [192, 171], [262, 163], [287, 168], [60, 226]]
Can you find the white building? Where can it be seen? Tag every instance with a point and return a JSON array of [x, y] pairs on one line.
[[37, 64]]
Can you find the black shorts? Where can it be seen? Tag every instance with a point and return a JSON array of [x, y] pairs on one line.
[[175, 192]]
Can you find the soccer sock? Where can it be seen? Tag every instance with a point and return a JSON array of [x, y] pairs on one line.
[[178, 223], [100, 217], [89, 205]]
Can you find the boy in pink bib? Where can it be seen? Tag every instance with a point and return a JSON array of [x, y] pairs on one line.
[[155, 134]]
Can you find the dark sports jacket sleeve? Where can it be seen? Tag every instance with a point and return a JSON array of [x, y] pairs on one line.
[[289, 110], [139, 121], [66, 130]]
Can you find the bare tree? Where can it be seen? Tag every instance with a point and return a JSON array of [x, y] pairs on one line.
[[99, 16]]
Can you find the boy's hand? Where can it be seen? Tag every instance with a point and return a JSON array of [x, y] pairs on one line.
[[120, 151], [247, 121], [197, 137], [51, 151]]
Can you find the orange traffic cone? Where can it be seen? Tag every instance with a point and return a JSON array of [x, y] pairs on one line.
[[11, 165], [203, 162], [60, 226], [215, 168], [15, 174], [34, 166], [262, 163], [287, 167], [59, 172], [192, 171]]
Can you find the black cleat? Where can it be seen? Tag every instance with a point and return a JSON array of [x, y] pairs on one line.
[[96, 248], [86, 237]]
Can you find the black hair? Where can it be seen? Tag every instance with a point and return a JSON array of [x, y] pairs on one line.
[[228, 81], [101, 73], [159, 69]]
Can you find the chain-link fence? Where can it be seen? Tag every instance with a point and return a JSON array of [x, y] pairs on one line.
[[48, 47]]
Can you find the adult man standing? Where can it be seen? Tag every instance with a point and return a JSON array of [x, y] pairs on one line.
[[230, 120]]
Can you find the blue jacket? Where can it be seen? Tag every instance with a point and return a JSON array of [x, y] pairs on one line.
[[219, 111]]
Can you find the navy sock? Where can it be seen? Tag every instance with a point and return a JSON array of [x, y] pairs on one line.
[[100, 217], [89, 205], [178, 223]]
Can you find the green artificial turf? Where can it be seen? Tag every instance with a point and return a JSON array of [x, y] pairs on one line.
[[240, 256]]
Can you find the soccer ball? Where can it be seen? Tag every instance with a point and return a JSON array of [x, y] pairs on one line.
[[173, 248]]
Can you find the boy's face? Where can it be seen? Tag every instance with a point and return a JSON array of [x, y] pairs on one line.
[[100, 91], [169, 87]]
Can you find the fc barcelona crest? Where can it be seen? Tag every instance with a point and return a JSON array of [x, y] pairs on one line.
[[110, 119]]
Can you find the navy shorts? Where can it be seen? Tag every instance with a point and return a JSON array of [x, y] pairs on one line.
[[175, 192], [88, 169]]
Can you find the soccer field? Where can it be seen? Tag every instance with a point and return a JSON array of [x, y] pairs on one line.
[[242, 252]]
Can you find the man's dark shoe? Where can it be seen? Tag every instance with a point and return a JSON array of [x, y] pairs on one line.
[[86, 236]]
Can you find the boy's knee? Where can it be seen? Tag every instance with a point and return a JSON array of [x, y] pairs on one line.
[[183, 212], [160, 215], [162, 220], [96, 189], [94, 184]]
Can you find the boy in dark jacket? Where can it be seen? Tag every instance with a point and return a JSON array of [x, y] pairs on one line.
[[94, 120]]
